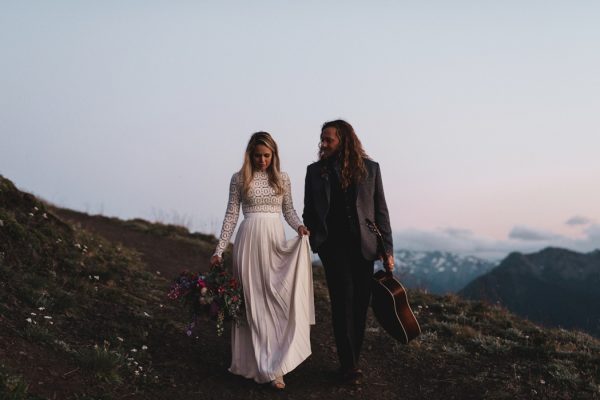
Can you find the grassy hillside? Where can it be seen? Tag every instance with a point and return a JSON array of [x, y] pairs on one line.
[[84, 315]]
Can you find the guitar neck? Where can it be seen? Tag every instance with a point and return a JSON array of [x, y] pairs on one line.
[[380, 243]]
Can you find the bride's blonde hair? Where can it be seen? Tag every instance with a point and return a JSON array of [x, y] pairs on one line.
[[247, 171]]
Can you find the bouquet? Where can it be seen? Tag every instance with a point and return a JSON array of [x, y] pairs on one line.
[[216, 295]]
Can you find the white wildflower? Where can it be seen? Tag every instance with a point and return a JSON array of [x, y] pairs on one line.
[[28, 320], [36, 209], [1, 223], [120, 339], [97, 277], [137, 372], [41, 308], [134, 350], [543, 382], [47, 317], [77, 245], [144, 347], [33, 313], [31, 214], [146, 314], [45, 215]]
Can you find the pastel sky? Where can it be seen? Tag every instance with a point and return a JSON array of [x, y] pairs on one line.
[[484, 116]]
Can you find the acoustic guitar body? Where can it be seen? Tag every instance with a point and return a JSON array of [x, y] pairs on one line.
[[391, 308]]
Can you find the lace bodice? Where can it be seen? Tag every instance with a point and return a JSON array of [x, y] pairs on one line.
[[261, 198]]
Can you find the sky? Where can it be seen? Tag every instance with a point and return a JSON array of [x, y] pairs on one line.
[[483, 115]]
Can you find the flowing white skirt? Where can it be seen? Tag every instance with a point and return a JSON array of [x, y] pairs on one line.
[[276, 276]]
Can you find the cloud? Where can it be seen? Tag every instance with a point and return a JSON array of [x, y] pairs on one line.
[[520, 232], [578, 220], [455, 232], [460, 241], [521, 239]]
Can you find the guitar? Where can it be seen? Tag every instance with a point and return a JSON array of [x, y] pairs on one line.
[[390, 301]]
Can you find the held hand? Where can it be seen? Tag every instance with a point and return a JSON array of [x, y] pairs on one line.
[[302, 230], [215, 260]]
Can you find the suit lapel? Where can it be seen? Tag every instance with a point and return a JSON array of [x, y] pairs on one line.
[[325, 184]]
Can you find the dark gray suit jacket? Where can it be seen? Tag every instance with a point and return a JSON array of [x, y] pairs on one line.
[[370, 203]]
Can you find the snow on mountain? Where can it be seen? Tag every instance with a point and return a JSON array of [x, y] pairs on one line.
[[437, 271]]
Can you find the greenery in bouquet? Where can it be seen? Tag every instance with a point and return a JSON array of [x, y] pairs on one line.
[[216, 295]]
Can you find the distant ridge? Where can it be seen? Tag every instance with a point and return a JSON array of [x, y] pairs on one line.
[[555, 287], [438, 272]]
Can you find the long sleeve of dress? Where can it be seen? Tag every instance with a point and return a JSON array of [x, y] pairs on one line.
[[287, 206], [231, 214]]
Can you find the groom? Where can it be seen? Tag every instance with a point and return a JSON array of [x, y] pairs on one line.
[[343, 189]]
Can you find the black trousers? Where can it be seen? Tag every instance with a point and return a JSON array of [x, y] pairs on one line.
[[349, 282]]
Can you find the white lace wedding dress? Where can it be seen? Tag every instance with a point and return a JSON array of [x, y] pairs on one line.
[[276, 278]]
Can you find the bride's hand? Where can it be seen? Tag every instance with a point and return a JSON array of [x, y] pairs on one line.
[[302, 230], [215, 260]]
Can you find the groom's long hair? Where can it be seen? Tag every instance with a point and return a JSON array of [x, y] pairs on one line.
[[350, 152], [247, 171]]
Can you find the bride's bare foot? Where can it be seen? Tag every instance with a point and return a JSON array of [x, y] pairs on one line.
[[278, 383]]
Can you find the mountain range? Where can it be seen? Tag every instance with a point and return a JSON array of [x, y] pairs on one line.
[[438, 272], [555, 287]]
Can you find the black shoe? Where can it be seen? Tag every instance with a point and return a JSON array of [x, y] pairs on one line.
[[353, 376]]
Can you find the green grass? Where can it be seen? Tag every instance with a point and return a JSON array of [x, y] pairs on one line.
[[105, 364], [12, 387]]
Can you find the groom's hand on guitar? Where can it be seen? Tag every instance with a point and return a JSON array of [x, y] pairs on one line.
[[388, 262]]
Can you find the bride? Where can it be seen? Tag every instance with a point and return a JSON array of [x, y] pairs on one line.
[[275, 273]]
